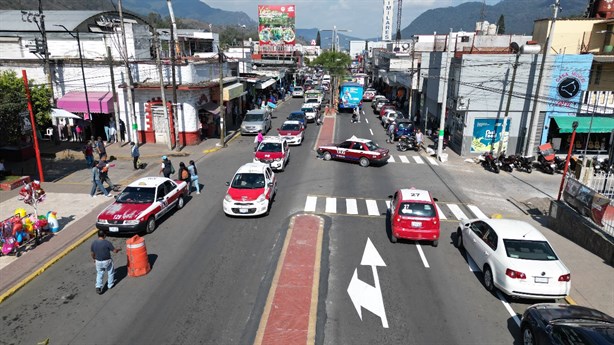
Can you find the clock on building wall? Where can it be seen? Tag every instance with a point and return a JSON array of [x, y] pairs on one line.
[[568, 87]]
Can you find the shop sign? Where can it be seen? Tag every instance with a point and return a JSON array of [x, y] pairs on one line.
[[233, 91], [487, 135], [570, 75]]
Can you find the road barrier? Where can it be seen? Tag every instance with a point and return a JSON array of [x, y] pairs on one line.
[[138, 262]]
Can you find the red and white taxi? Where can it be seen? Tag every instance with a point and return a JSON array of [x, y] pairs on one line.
[[363, 151], [369, 94], [414, 216], [292, 131], [273, 151], [141, 203], [251, 191]]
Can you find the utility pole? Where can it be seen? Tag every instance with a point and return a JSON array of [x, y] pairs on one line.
[[115, 105], [169, 144], [130, 110], [45, 46], [222, 142], [530, 144], [174, 43], [504, 133], [444, 106], [411, 82]]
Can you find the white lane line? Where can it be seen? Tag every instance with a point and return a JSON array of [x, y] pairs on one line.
[[331, 205], [310, 204], [418, 159], [391, 159], [473, 267], [366, 120], [372, 207], [426, 263], [441, 215], [508, 308], [457, 212], [370, 130], [351, 207], [478, 213], [387, 204], [432, 160], [404, 159]]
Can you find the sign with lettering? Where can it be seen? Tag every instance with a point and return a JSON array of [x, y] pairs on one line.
[[570, 75], [487, 134], [387, 20]]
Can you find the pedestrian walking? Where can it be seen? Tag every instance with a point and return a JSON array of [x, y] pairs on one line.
[[391, 128], [258, 139], [122, 130], [194, 177], [104, 166], [100, 148], [166, 168], [134, 152], [88, 152], [419, 139], [79, 131], [184, 174], [97, 182], [101, 250], [112, 132], [106, 131]]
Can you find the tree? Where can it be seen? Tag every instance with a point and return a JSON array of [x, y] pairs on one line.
[[336, 63], [318, 39], [501, 25], [13, 102]]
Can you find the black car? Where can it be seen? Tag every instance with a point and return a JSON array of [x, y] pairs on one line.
[[551, 323], [298, 116]]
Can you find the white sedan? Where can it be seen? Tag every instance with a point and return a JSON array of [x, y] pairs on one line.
[[515, 258]]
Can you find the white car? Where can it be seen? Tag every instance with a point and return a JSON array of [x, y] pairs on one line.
[[310, 110], [390, 115], [273, 151], [298, 92], [515, 258], [251, 191]]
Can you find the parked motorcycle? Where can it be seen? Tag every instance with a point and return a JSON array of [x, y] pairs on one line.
[[523, 163], [407, 142], [506, 163], [490, 163], [545, 159]]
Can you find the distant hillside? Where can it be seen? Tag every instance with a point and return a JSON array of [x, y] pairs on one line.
[[519, 16], [193, 9]]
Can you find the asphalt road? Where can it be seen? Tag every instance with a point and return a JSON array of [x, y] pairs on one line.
[[211, 274]]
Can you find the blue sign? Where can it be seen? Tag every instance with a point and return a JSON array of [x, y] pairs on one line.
[[350, 95], [487, 134]]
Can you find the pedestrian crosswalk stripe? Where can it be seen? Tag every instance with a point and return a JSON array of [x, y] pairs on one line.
[[310, 203], [432, 160], [331, 205], [418, 159], [350, 206], [391, 159], [477, 212], [404, 159], [372, 208], [387, 204], [457, 211], [441, 215]]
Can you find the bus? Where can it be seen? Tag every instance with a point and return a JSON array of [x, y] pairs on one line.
[[350, 96]]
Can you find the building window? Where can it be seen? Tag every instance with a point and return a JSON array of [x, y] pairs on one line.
[[597, 79], [464, 38]]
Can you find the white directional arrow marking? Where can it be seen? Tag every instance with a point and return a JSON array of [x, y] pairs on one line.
[[364, 295]]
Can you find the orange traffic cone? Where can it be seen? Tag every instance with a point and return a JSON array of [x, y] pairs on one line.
[[138, 262]]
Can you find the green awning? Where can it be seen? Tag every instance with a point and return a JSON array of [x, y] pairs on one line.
[[599, 125]]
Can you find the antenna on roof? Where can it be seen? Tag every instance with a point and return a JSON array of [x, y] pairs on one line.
[[483, 11]]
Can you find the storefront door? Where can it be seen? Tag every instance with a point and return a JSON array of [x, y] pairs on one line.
[[160, 123]]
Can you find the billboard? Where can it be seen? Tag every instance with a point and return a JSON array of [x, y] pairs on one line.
[[276, 25], [487, 135], [350, 95]]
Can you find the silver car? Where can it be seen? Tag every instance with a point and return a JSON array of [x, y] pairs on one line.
[[256, 120]]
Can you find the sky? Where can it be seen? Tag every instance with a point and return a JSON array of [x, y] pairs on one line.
[[362, 17]]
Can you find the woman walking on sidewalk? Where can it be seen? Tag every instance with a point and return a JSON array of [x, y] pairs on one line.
[[194, 177]]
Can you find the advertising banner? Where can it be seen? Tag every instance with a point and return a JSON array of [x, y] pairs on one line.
[[276, 24], [487, 135], [387, 20], [570, 75]]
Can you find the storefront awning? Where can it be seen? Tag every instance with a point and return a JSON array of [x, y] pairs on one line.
[[599, 125], [233, 91], [263, 85], [211, 107], [99, 102]]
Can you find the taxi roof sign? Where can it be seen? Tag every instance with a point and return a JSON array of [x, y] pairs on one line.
[[412, 194]]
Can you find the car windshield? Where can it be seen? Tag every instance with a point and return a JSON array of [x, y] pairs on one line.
[[416, 209], [270, 147], [137, 195], [372, 145], [298, 89], [312, 100], [529, 250], [248, 181], [403, 125], [295, 116], [290, 127], [307, 110], [254, 117]]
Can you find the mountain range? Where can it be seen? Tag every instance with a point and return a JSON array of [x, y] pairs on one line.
[[518, 18]]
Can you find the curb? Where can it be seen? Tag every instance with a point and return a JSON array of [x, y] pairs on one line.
[[232, 136], [570, 300], [45, 266]]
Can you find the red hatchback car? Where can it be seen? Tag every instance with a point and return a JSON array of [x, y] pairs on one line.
[[414, 216]]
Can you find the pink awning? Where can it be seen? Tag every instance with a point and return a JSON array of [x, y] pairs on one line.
[[100, 102]]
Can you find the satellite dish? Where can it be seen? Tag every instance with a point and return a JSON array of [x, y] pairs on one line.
[[405, 46]]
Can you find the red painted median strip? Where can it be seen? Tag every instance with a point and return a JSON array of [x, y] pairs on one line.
[[290, 313], [327, 131]]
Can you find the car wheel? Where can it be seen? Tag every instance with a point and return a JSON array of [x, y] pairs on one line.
[[393, 238], [529, 170], [459, 239], [527, 335], [489, 284], [327, 156], [364, 162], [151, 225], [435, 243]]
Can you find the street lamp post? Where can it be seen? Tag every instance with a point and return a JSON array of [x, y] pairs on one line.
[[87, 102]]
